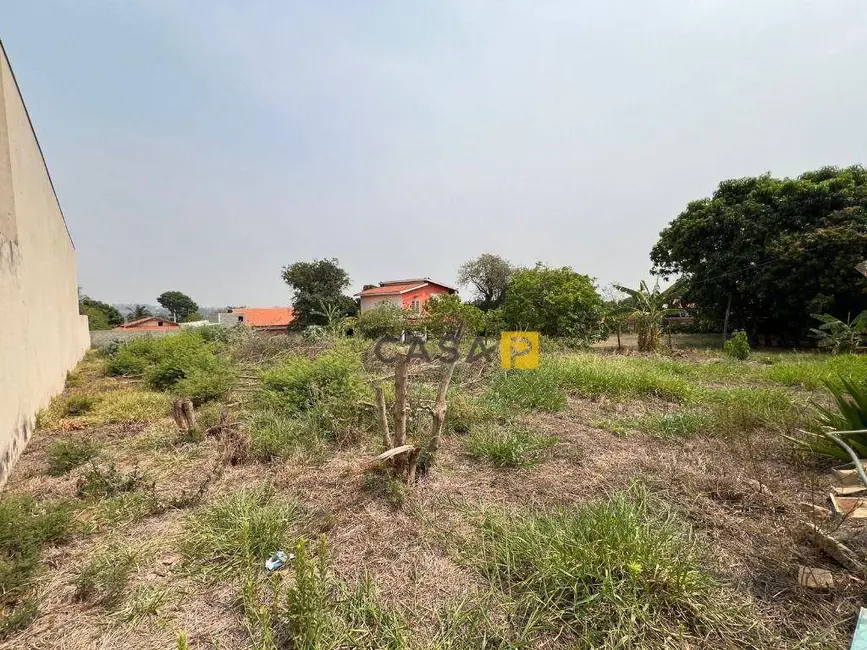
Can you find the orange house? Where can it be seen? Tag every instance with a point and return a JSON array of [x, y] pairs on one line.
[[149, 323], [406, 294]]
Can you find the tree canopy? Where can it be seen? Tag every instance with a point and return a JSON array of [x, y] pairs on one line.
[[316, 286], [180, 305], [100, 315], [781, 249], [555, 302], [445, 313], [489, 275]]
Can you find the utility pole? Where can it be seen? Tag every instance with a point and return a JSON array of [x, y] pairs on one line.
[[726, 320]]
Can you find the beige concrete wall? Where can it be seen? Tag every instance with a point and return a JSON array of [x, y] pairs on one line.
[[41, 333], [372, 302]]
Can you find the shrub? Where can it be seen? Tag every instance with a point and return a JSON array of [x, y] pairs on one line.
[[738, 346], [167, 361], [65, 455], [26, 527], [299, 383], [509, 446], [103, 580], [238, 533], [383, 320], [840, 337], [537, 389], [622, 573]]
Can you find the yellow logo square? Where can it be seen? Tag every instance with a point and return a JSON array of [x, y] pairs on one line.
[[519, 350]]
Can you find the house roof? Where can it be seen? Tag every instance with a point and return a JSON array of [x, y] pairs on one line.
[[266, 316], [397, 287], [141, 322]]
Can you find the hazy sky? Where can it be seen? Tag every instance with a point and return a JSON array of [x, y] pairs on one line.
[[201, 145]]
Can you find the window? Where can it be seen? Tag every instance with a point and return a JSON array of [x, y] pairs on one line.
[[159, 323], [241, 318], [415, 305]]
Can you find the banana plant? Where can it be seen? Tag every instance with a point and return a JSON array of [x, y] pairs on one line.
[[650, 307]]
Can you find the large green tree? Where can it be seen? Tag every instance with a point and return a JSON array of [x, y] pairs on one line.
[[317, 286], [778, 249], [179, 305], [100, 315], [489, 275], [556, 302]]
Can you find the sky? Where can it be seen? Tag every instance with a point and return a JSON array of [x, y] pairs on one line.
[[202, 145]]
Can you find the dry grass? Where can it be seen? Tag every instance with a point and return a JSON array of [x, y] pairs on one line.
[[414, 550]]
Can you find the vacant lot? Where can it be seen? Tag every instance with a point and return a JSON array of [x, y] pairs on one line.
[[601, 501]]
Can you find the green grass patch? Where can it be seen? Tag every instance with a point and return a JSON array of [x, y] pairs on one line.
[[320, 611], [533, 390], [509, 446], [26, 528], [238, 533], [624, 573], [78, 405], [103, 580], [592, 375], [66, 455], [277, 436], [123, 406], [99, 483], [814, 371]]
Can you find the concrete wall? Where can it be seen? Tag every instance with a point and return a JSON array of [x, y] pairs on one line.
[[372, 302], [41, 333]]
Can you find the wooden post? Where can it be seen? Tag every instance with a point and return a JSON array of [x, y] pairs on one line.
[[439, 410], [400, 408], [383, 417]]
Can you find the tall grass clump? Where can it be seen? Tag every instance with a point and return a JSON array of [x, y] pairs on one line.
[[26, 528], [537, 390], [619, 574], [238, 533], [509, 446], [319, 611], [186, 363], [595, 375], [277, 436], [738, 346]]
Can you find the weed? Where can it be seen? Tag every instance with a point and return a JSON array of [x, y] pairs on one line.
[[470, 625], [145, 601], [66, 455], [738, 346], [238, 533], [102, 581], [318, 611], [26, 527], [98, 483], [618, 574], [78, 405], [814, 371], [529, 389], [509, 446], [846, 419], [467, 411]]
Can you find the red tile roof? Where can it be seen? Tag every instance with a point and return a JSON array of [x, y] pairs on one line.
[[397, 287], [266, 316], [141, 321]]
